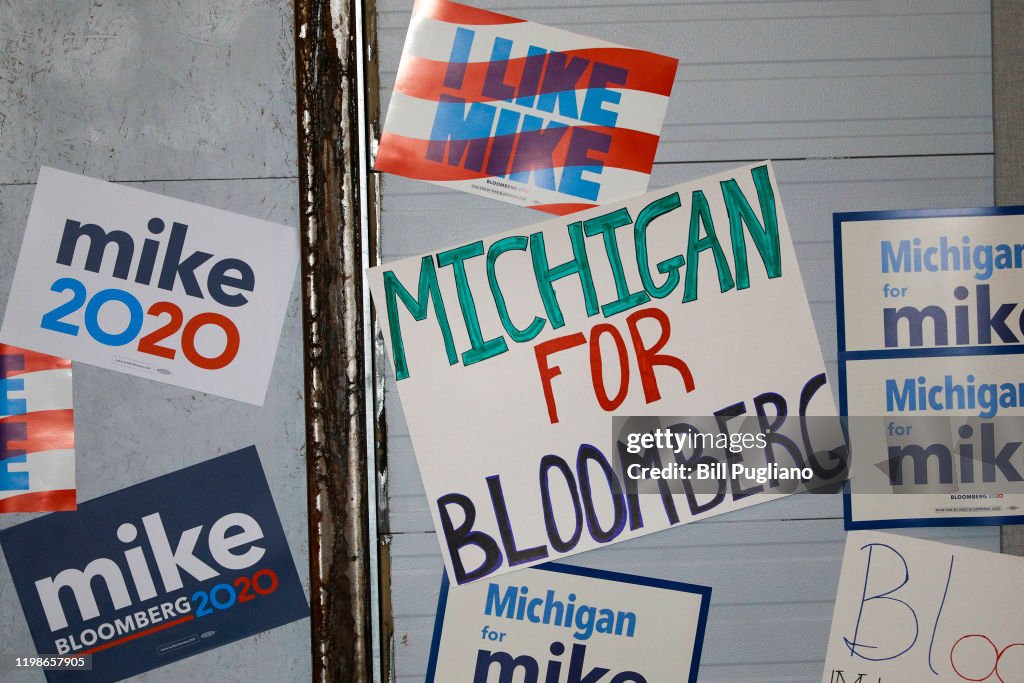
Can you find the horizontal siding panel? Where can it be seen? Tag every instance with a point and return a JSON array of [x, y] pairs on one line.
[[419, 217], [792, 79], [394, 13], [773, 589]]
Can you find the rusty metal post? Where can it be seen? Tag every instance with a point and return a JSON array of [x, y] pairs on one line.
[[337, 220]]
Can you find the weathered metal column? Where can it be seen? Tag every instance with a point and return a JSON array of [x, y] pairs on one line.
[[337, 206]]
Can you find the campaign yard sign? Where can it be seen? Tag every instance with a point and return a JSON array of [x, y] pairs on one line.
[[555, 623], [157, 572], [37, 432], [512, 352], [931, 344], [152, 286], [525, 113], [914, 610]]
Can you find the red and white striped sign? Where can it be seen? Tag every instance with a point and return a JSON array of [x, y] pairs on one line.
[[37, 432], [522, 112]]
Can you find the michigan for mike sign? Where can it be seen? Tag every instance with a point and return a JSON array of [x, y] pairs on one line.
[[593, 625], [511, 354], [931, 345], [157, 572], [525, 113], [152, 286]]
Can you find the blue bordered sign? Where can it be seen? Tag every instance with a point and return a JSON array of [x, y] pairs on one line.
[[556, 622], [157, 572], [930, 325]]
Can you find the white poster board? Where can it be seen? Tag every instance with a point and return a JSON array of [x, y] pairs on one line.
[[512, 353], [589, 624], [930, 351], [152, 286], [912, 610]]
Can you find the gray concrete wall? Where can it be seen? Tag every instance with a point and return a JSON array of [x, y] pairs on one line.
[[193, 99]]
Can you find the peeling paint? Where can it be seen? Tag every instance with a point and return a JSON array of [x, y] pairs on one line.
[[335, 227]]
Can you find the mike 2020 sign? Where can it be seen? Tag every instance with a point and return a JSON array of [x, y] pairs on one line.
[[157, 572], [152, 286]]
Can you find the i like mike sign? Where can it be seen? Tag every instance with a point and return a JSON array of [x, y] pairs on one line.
[[521, 112], [152, 286]]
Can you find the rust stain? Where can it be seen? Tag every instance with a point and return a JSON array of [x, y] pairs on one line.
[[334, 328]]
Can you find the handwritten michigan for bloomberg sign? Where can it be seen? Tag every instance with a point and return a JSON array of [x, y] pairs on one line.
[[151, 286], [522, 112], [512, 352], [158, 571]]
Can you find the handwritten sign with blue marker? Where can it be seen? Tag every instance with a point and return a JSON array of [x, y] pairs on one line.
[[913, 610]]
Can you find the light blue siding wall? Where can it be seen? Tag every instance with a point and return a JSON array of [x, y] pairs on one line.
[[862, 105]]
